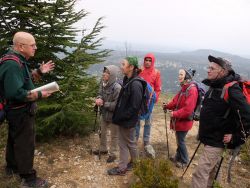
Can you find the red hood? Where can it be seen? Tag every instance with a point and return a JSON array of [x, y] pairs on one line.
[[150, 55]]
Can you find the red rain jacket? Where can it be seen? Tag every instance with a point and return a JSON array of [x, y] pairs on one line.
[[152, 75], [183, 108]]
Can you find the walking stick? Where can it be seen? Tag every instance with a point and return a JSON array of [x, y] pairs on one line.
[[218, 170], [165, 112], [191, 160], [96, 109]]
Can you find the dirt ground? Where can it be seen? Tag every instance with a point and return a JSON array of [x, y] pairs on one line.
[[67, 163]]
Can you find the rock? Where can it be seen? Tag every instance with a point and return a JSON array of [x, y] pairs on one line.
[[53, 186], [76, 163], [243, 170], [195, 164], [65, 171], [89, 178]]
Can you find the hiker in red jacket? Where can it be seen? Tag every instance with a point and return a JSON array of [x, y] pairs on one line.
[[182, 107], [153, 77]]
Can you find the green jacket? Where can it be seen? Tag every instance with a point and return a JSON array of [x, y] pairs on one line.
[[15, 80]]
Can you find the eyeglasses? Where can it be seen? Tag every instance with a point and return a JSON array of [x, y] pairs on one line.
[[212, 68], [148, 60], [31, 45]]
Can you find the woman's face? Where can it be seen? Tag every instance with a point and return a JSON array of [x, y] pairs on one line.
[[126, 67], [105, 75], [182, 75]]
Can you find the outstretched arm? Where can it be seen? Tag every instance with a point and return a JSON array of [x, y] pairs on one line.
[[44, 68]]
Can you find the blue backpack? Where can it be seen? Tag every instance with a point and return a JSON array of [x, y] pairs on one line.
[[148, 101]]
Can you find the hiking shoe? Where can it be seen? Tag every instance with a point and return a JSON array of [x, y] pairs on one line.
[[116, 172], [181, 165], [37, 183], [10, 171], [111, 159], [96, 152], [173, 159], [130, 166]]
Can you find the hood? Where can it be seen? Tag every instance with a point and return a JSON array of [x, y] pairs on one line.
[[114, 72], [150, 55], [219, 83]]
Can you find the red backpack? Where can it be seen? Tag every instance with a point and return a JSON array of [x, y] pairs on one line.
[[242, 130], [245, 86]]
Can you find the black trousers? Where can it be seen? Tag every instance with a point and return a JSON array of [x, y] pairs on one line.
[[21, 143]]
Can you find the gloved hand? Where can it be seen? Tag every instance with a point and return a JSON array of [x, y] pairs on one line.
[[164, 107]]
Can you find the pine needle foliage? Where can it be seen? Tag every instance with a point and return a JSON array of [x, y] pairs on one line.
[[69, 111]]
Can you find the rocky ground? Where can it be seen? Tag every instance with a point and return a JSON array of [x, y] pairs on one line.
[[67, 163]]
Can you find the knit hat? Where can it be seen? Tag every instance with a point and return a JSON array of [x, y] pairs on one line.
[[189, 74], [132, 60], [225, 64]]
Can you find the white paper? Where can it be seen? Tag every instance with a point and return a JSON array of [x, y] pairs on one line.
[[51, 87]]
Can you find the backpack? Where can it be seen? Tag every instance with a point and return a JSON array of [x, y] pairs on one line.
[[201, 93], [2, 99], [245, 86], [148, 101]]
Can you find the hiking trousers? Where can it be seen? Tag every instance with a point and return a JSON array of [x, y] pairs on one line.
[[207, 166], [181, 151], [127, 145], [105, 127], [146, 130], [21, 144]]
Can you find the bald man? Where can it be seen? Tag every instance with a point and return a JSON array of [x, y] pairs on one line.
[[16, 82]]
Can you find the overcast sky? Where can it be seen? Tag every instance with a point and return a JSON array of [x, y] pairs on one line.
[[222, 25]]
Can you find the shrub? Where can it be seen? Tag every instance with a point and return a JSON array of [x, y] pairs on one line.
[[154, 173]]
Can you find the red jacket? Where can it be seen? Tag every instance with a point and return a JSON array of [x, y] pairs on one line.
[[183, 108], [152, 76]]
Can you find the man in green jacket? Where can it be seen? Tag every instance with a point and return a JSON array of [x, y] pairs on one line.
[[16, 82]]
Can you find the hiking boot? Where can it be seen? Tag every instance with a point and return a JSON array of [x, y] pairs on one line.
[[181, 165], [96, 152], [145, 143], [130, 166], [10, 171], [37, 183], [111, 159], [173, 159], [116, 172]]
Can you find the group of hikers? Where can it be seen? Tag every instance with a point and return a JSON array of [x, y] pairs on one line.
[[120, 104]]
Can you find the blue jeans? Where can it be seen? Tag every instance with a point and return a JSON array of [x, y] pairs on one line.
[[146, 132], [181, 152]]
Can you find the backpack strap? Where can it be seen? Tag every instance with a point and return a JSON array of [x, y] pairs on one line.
[[188, 88], [11, 57], [224, 93]]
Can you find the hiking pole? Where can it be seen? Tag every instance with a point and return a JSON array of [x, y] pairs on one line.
[[165, 113], [96, 114], [191, 160], [96, 109], [218, 170], [99, 133]]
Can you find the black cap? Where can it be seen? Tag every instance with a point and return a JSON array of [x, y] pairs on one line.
[[225, 64]]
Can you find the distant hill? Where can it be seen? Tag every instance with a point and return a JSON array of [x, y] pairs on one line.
[[170, 63]]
